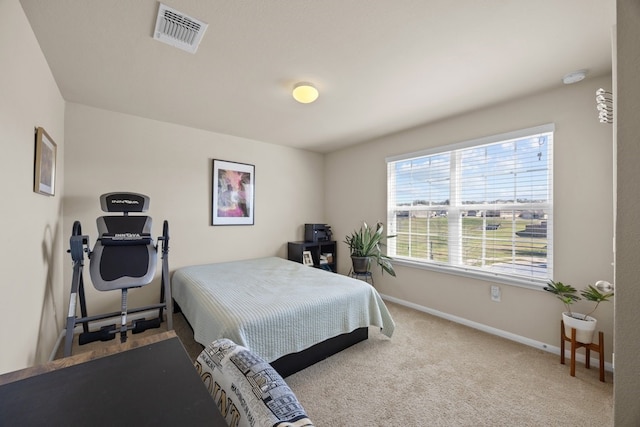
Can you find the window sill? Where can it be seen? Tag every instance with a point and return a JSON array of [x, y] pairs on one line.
[[473, 274]]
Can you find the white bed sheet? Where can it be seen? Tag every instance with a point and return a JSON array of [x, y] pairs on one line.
[[273, 306]]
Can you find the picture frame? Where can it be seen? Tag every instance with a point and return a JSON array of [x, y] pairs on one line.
[[233, 193], [307, 258], [44, 177]]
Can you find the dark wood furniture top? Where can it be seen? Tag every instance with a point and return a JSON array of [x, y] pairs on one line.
[[142, 382]]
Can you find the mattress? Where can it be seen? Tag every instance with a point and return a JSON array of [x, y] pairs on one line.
[[273, 306]]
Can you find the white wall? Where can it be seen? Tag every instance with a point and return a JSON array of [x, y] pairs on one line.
[[171, 164], [583, 215], [627, 314], [32, 247]]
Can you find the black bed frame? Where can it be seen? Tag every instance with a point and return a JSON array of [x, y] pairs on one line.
[[289, 364]]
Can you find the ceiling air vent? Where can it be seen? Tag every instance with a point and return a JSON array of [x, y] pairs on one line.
[[178, 30]]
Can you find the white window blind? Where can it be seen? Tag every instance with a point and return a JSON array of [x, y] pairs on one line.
[[480, 207]]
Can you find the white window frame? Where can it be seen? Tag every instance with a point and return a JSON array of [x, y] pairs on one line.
[[455, 219]]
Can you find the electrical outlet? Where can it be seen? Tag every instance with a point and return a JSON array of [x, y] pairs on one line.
[[495, 293]]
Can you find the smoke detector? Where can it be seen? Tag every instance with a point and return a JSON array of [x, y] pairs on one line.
[[574, 77], [177, 29]]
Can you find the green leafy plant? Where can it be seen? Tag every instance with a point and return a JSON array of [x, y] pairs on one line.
[[592, 294], [367, 242], [568, 295]]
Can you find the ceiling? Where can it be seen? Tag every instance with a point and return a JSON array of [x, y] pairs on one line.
[[380, 65]]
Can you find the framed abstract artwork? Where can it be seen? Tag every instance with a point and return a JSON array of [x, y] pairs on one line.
[[233, 193], [44, 177]]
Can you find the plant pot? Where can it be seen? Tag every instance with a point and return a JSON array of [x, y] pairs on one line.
[[361, 264], [584, 328]]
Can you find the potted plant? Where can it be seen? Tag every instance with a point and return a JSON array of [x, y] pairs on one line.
[[365, 245], [584, 324]]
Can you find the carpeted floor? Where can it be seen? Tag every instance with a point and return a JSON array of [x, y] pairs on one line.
[[433, 372]]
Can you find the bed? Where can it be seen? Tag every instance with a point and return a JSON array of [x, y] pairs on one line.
[[289, 314]]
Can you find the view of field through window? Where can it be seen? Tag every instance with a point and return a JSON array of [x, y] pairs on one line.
[[484, 243], [482, 207]]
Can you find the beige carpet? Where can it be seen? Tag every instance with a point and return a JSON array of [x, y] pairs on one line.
[[433, 372]]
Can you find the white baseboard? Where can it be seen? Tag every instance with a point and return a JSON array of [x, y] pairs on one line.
[[495, 331]]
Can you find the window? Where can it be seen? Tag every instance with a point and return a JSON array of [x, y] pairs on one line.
[[481, 208]]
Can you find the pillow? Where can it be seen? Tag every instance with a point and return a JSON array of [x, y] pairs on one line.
[[246, 389]]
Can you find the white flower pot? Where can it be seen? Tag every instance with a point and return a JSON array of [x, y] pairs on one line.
[[584, 328]]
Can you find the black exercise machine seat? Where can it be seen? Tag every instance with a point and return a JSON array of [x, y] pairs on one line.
[[124, 255]]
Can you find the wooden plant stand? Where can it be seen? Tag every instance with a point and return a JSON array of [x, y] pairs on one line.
[[587, 346]]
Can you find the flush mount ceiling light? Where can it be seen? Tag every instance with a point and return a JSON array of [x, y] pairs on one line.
[[305, 93], [574, 77]]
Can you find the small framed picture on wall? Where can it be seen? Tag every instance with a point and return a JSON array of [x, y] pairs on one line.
[[44, 176]]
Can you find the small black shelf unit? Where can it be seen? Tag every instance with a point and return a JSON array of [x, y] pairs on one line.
[[295, 250]]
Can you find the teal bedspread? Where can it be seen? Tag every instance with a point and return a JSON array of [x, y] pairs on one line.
[[273, 306]]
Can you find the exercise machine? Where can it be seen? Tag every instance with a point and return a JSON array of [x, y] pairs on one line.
[[124, 257]]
